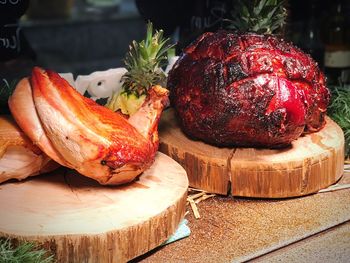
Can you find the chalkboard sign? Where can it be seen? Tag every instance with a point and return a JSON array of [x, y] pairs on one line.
[[12, 10], [10, 35], [10, 46]]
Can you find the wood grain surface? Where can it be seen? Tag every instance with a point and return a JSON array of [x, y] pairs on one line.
[[312, 162], [233, 229], [82, 221]]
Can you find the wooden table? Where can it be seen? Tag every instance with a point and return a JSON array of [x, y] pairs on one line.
[[305, 229]]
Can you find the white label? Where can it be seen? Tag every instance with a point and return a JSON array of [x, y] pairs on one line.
[[337, 59]]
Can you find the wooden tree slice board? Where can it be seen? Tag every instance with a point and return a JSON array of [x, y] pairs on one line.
[[82, 221], [313, 162]]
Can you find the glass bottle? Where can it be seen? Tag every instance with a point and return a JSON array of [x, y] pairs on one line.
[[311, 41], [337, 49]]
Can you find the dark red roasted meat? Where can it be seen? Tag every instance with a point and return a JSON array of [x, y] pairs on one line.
[[232, 89]]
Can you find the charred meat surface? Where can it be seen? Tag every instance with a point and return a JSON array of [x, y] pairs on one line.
[[234, 89]]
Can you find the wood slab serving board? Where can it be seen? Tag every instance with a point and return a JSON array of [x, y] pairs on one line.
[[235, 229], [312, 162], [82, 221]]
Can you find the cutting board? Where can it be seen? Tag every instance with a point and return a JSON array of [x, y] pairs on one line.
[[235, 229], [312, 162], [82, 221]]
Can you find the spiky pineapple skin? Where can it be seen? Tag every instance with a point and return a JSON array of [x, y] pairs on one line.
[[234, 89]]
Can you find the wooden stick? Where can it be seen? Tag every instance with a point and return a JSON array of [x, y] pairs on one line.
[[194, 209], [194, 196], [204, 197], [335, 188], [191, 189]]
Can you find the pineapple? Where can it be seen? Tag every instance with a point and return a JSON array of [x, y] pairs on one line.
[[259, 16], [144, 63]]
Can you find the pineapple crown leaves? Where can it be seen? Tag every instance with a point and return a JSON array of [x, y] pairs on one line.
[[144, 61], [260, 16]]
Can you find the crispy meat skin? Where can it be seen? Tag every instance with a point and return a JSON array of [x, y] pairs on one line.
[[19, 157], [82, 135], [232, 89]]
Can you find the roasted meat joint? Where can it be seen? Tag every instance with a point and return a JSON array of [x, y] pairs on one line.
[[113, 146], [237, 88], [78, 133], [112, 143], [247, 90]]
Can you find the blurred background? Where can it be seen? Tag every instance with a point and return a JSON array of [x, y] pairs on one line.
[[82, 36]]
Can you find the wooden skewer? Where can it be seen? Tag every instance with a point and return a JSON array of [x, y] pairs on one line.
[[194, 209], [191, 189], [194, 196], [194, 199], [335, 188], [204, 197]]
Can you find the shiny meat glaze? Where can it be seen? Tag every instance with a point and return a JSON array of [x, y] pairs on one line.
[[78, 133], [232, 89]]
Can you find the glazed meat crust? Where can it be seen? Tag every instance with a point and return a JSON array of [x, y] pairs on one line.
[[231, 89]]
